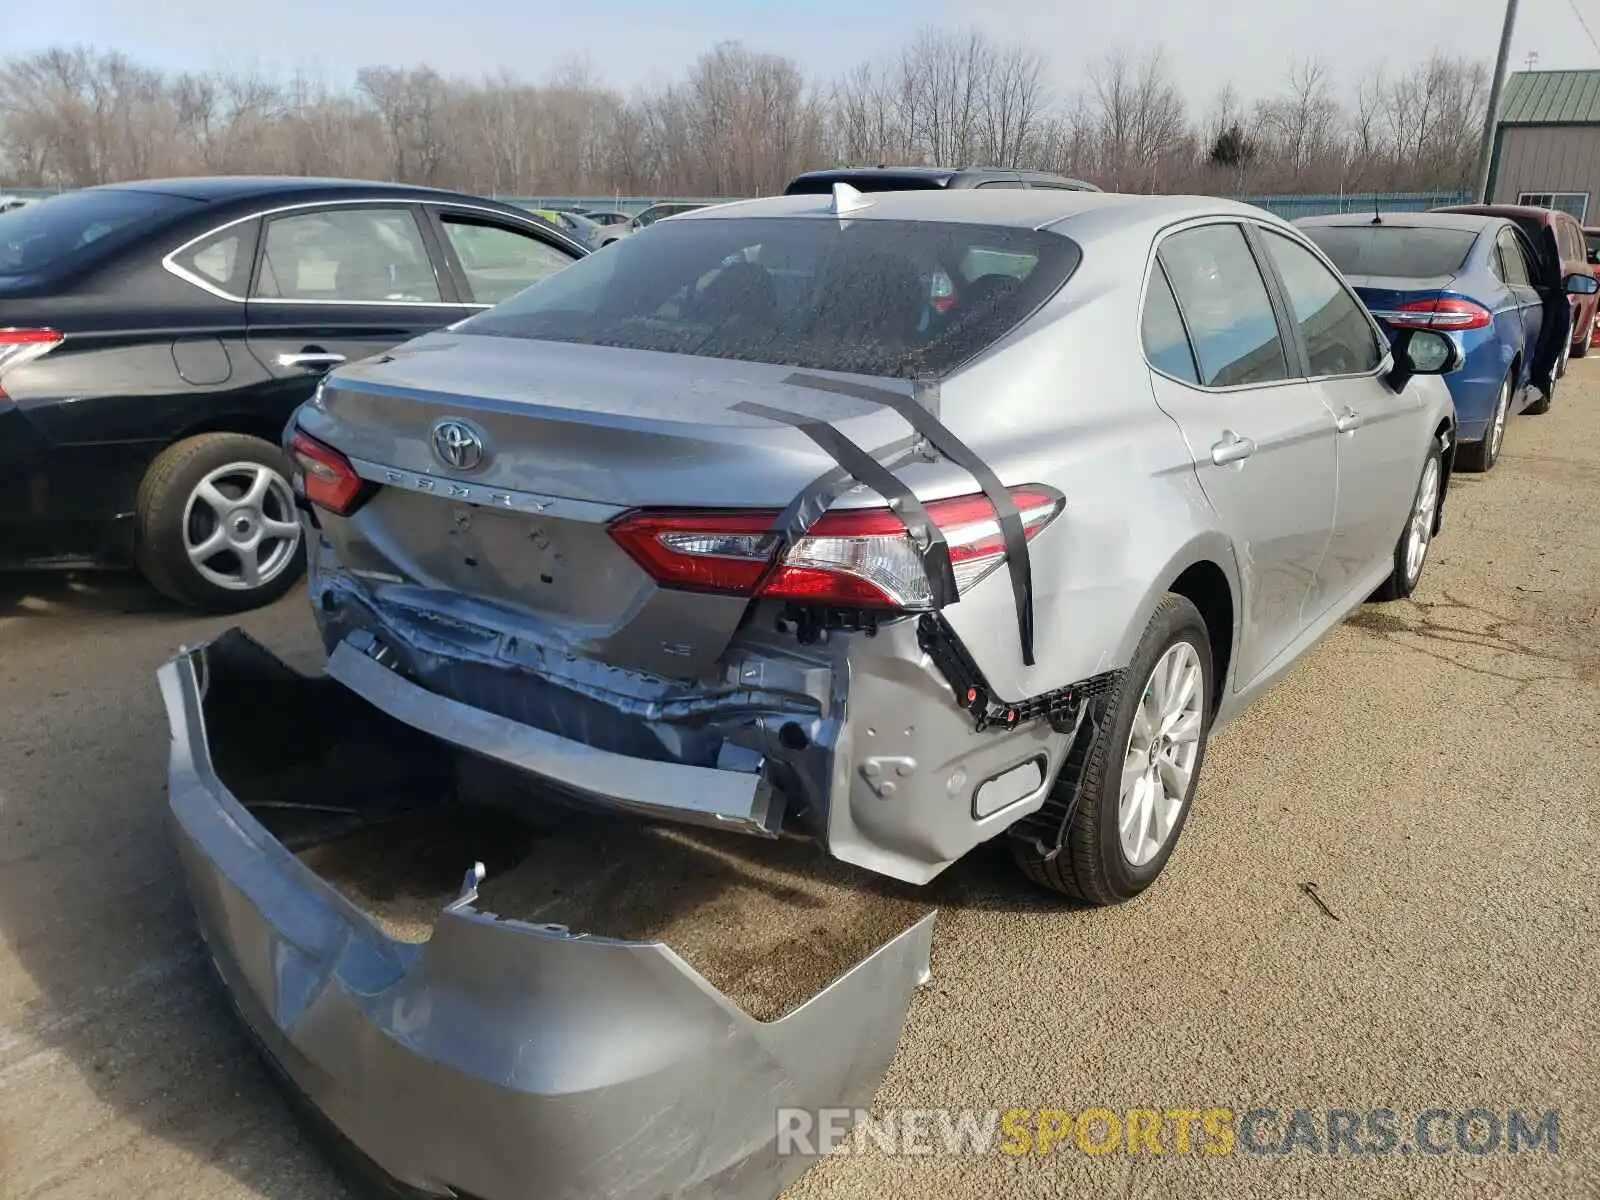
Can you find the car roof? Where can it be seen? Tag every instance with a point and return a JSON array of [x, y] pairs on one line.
[[1021, 208], [220, 188], [1512, 212], [1406, 220], [940, 176]]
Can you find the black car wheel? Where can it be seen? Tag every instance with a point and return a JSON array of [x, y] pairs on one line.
[[1411, 551], [1141, 774], [215, 523], [1482, 455]]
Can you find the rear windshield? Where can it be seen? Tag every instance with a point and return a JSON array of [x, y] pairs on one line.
[[47, 233], [1409, 251], [893, 298], [877, 181]]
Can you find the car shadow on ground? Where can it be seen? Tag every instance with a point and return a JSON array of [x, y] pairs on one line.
[[45, 594]]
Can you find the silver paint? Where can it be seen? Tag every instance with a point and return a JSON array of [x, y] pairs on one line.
[[504, 1059]]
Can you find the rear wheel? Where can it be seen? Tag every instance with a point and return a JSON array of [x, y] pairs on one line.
[[1411, 551], [1141, 775], [1581, 350], [215, 523], [1482, 455]]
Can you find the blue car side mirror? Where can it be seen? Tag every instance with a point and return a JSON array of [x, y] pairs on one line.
[[1581, 285]]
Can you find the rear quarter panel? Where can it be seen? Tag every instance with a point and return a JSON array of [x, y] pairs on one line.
[[1066, 401]]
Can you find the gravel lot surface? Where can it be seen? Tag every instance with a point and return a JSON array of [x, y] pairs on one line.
[[1434, 771]]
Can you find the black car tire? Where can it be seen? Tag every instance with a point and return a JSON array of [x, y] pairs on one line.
[[1581, 349], [1091, 864], [162, 505], [1401, 582], [1482, 455]]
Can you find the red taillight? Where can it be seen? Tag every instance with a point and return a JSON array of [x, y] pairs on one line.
[[704, 551], [327, 478], [856, 558], [18, 346], [1442, 312]]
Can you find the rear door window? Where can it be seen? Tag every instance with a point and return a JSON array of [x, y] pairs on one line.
[[71, 227], [1224, 303], [1338, 337], [1514, 264], [1166, 343], [895, 298], [347, 255]]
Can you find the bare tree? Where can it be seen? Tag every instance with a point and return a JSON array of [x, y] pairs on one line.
[[739, 122]]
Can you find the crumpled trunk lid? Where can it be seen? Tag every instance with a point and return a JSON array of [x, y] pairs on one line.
[[572, 437]]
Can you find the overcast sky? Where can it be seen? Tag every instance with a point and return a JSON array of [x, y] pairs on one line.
[[1208, 44]]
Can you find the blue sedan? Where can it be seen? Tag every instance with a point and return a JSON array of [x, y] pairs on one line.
[[1480, 279]]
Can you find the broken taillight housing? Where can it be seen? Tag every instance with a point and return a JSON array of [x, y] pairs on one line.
[[18, 346], [856, 558], [326, 477]]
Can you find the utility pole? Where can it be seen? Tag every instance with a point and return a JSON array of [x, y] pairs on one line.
[[1486, 147]]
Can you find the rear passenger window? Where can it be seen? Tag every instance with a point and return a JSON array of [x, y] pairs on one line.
[[1513, 262], [1339, 339], [223, 260], [1166, 344], [1224, 301], [345, 255]]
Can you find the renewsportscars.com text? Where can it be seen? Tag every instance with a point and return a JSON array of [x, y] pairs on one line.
[[1214, 1131]]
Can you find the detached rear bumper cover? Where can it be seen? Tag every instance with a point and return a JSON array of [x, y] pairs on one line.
[[502, 1059]]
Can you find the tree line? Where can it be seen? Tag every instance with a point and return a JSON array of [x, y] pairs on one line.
[[742, 122]]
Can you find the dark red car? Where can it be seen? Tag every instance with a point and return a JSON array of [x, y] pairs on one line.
[[1561, 239]]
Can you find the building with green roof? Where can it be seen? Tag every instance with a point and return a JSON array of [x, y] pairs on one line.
[[1547, 143]]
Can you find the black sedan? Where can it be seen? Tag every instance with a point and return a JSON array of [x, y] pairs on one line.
[[155, 337]]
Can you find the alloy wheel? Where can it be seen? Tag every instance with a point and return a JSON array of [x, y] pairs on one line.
[[240, 530], [1497, 429], [1163, 750], [1420, 534]]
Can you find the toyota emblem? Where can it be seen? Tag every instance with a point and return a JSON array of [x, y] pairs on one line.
[[457, 445]]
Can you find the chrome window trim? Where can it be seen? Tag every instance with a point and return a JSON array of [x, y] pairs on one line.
[[170, 265]]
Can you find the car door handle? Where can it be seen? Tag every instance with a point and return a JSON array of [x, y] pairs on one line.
[[1347, 420], [311, 360], [1231, 449]]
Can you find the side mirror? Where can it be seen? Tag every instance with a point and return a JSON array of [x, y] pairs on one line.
[[1422, 352], [1581, 285]]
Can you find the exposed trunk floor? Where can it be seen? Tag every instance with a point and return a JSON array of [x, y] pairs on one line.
[[769, 923]]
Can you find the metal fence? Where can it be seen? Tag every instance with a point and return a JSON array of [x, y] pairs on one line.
[[1288, 206], [1292, 207]]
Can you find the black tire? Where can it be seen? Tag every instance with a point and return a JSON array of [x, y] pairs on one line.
[[1091, 865], [162, 506], [1581, 350], [1482, 455], [1402, 582]]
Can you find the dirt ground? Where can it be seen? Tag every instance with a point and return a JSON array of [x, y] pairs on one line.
[[1434, 771]]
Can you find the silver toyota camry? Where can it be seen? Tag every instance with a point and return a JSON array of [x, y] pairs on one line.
[[901, 521]]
